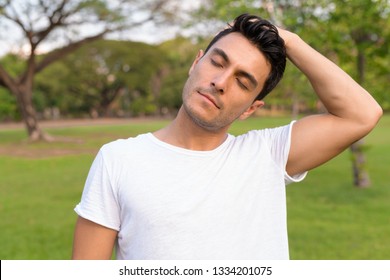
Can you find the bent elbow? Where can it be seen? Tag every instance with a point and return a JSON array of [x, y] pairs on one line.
[[372, 118], [377, 114]]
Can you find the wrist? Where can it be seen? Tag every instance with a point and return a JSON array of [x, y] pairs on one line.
[[288, 37]]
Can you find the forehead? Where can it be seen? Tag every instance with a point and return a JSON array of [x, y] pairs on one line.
[[243, 54]]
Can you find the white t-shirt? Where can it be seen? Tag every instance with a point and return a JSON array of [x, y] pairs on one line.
[[168, 202]]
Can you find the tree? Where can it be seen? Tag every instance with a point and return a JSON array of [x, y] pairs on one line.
[[366, 39], [8, 108], [100, 75], [64, 21]]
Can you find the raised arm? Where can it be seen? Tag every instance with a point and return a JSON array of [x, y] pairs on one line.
[[92, 241], [352, 111]]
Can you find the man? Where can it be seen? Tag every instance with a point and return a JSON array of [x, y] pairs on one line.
[[193, 191]]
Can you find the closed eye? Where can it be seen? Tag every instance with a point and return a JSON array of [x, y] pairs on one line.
[[215, 63], [242, 85]]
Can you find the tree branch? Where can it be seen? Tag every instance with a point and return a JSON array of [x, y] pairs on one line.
[[61, 52], [16, 20], [54, 21], [6, 80]]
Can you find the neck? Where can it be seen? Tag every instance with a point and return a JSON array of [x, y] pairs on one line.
[[183, 132]]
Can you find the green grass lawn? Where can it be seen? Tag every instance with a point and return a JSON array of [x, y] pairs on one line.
[[328, 218]]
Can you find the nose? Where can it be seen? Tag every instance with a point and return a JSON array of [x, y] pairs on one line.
[[219, 83], [217, 88]]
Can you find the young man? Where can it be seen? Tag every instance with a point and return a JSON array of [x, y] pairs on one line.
[[193, 191]]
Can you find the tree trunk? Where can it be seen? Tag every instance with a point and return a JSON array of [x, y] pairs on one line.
[[29, 116], [361, 179], [295, 106], [107, 97]]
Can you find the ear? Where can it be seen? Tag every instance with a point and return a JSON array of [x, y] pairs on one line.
[[198, 57], [255, 105]]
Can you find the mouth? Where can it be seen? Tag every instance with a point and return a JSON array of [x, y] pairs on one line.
[[211, 99]]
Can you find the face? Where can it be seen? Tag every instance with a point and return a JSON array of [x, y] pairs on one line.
[[223, 83]]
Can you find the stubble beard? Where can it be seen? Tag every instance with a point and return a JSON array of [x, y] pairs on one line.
[[220, 122], [209, 125]]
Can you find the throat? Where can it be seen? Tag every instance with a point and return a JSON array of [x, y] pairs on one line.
[[189, 137]]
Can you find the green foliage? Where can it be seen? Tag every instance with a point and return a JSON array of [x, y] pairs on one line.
[[142, 106], [13, 64], [8, 108], [99, 74], [327, 217], [360, 28]]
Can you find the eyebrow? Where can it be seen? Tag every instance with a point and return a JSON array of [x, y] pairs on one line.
[[241, 73]]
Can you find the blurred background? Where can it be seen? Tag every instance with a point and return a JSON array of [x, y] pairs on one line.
[[75, 74]]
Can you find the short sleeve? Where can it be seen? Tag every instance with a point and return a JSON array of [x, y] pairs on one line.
[[99, 201], [279, 141]]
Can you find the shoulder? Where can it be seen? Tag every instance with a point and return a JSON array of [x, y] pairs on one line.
[[268, 134], [274, 141], [121, 148], [120, 144]]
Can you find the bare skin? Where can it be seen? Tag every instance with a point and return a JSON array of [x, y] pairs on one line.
[[92, 241], [221, 87]]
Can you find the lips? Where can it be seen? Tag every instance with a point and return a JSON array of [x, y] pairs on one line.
[[210, 98]]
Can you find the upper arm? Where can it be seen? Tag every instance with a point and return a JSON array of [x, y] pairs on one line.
[[318, 138], [92, 241]]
